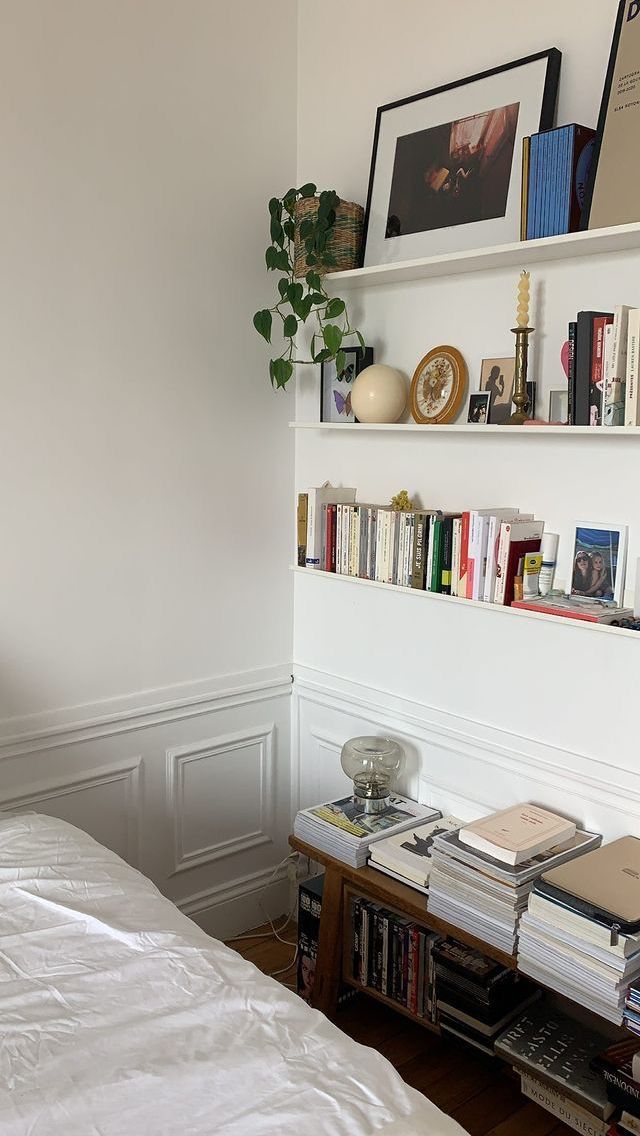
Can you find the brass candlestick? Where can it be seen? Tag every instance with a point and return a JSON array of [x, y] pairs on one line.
[[520, 395]]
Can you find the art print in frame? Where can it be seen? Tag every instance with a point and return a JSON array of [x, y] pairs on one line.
[[335, 387], [478, 412], [446, 164], [497, 377], [612, 195], [598, 563]]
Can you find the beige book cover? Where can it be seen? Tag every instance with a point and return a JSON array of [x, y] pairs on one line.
[[608, 878], [522, 831], [615, 190]]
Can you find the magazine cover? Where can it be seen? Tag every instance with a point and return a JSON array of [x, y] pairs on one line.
[[410, 851], [450, 844], [347, 815]]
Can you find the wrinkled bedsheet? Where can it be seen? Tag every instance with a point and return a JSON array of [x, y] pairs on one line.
[[120, 1017]]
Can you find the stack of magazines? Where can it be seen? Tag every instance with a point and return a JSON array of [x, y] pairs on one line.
[[486, 896], [343, 830], [581, 933]]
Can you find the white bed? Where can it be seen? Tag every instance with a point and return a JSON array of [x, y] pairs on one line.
[[119, 1017]]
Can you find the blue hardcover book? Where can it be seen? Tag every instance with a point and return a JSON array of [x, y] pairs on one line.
[[558, 167]]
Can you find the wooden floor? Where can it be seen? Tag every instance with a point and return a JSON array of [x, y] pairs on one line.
[[476, 1090]]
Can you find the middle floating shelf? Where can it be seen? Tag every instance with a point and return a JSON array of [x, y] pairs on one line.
[[546, 429]]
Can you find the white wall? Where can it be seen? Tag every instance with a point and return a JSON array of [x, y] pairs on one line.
[[145, 463], [563, 696]]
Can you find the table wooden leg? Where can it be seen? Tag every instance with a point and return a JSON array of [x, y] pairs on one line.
[[329, 961]]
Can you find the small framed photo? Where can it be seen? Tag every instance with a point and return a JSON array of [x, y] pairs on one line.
[[559, 405], [478, 412], [496, 377], [335, 387], [599, 560]]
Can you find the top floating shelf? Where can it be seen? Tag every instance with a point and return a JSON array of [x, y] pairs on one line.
[[478, 432], [596, 242]]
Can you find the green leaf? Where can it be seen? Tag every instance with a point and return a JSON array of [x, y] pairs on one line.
[[303, 308], [281, 261], [341, 362], [307, 190], [323, 355], [317, 298], [290, 326], [335, 308], [281, 371], [306, 228], [294, 292], [270, 257], [283, 284], [332, 336], [262, 324], [313, 280], [276, 232], [289, 230], [360, 339], [275, 207]]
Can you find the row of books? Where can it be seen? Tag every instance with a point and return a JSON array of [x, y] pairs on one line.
[[394, 956], [603, 368], [555, 168], [476, 554]]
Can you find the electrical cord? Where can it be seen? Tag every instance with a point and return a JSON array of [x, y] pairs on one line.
[[275, 931]]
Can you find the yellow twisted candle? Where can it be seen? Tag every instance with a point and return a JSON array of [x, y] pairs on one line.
[[522, 317]]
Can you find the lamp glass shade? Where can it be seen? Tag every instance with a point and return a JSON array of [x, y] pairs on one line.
[[373, 765]]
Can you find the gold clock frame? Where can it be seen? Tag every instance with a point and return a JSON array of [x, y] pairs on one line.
[[452, 406]]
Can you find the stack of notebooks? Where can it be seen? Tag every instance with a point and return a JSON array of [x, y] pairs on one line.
[[482, 874], [581, 933], [342, 829], [553, 1055], [619, 1065], [407, 855], [475, 996]]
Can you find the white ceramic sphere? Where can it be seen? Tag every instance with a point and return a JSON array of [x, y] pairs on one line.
[[379, 394]]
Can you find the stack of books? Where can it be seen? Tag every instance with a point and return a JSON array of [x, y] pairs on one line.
[[604, 352], [476, 997], [579, 935], [407, 855], [482, 875], [620, 1066], [632, 1008], [555, 167], [344, 830], [553, 1055], [393, 956]]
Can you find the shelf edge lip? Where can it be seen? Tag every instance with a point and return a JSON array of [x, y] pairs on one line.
[[590, 242], [436, 597], [545, 429]]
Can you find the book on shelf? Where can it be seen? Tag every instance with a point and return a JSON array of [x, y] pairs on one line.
[[303, 501], [632, 402], [517, 833], [517, 537], [343, 829], [407, 854], [309, 911], [615, 1064], [603, 886], [563, 1107], [574, 923], [589, 611], [316, 498], [555, 168], [629, 1122], [393, 956], [558, 1051]]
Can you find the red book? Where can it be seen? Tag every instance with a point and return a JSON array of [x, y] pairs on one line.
[[330, 559], [464, 556], [517, 550]]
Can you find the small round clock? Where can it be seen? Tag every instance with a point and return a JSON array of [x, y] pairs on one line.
[[438, 386]]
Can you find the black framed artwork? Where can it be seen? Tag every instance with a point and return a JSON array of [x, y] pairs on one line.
[[446, 164], [335, 386]]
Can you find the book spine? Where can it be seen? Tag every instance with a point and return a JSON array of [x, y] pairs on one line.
[[490, 571], [323, 537], [455, 555], [417, 574], [447, 555], [563, 1108], [303, 501], [371, 541], [464, 553], [502, 559], [532, 205], [339, 514], [429, 560], [422, 940], [400, 542], [571, 377], [385, 919], [436, 560], [364, 943], [632, 403], [524, 189], [411, 539], [597, 370], [312, 558], [356, 957]]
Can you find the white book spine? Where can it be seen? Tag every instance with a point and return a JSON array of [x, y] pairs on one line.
[[313, 546], [354, 540], [619, 346], [379, 528], [632, 403], [490, 572], [566, 1110], [502, 559], [455, 555], [402, 547]]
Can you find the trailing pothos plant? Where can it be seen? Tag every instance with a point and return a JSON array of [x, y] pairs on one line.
[[300, 299]]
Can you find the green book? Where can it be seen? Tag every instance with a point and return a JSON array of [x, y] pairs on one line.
[[436, 562]]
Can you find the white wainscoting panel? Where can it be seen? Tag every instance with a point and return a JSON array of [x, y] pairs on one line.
[[458, 764], [190, 784]]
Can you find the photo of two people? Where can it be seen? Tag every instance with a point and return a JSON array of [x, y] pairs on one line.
[[595, 563]]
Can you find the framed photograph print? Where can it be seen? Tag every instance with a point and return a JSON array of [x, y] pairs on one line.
[[611, 194], [335, 387], [599, 559], [446, 164], [497, 377], [559, 406], [478, 412]]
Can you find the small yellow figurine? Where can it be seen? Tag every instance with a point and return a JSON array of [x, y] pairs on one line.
[[402, 502]]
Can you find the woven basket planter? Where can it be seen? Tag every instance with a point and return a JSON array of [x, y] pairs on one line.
[[344, 243]]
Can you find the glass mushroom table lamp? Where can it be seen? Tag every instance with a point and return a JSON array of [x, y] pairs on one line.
[[373, 765]]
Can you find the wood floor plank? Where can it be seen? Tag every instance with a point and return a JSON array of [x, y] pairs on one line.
[[529, 1120], [490, 1107]]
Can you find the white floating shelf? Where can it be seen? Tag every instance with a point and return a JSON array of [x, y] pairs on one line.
[[490, 609], [596, 242], [598, 432]]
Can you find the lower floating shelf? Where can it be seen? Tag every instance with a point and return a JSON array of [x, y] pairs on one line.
[[436, 597]]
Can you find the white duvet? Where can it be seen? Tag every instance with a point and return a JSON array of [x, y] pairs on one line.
[[119, 1017]]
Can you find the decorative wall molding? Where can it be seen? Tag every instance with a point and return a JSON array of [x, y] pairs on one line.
[[248, 885], [463, 752], [128, 772], [179, 760], [74, 725]]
